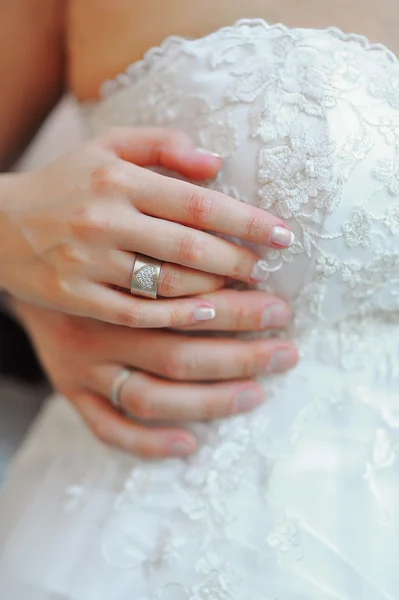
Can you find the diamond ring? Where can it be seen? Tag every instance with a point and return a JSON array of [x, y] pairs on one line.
[[145, 276]]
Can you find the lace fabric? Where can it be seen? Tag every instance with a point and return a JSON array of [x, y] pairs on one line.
[[298, 501], [310, 134]]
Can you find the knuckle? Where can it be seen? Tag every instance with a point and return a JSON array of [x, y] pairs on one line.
[[240, 268], [191, 248], [168, 138], [170, 282], [200, 207], [55, 287], [102, 430], [177, 318], [240, 318], [70, 255], [89, 222], [174, 136], [211, 408], [259, 357], [143, 406], [245, 362], [174, 366], [130, 318], [164, 141], [145, 448], [58, 291], [253, 226], [109, 179]]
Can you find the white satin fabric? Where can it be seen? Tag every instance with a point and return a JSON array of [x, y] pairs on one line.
[[299, 500]]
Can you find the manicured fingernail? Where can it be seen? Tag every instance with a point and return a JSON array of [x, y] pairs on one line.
[[281, 360], [275, 315], [204, 313], [208, 152], [281, 236], [247, 400], [260, 272], [181, 448]]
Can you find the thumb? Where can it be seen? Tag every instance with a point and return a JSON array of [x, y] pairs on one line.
[[168, 148]]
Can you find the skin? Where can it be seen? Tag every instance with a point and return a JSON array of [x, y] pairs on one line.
[[70, 231], [175, 377], [34, 69], [193, 378], [79, 44], [105, 36]]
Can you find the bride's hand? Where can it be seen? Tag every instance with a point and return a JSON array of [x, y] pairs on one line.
[[174, 377], [69, 231]]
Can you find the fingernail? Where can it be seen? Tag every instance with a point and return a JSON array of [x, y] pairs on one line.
[[281, 360], [260, 272], [208, 152], [247, 400], [275, 315], [204, 313], [181, 448], [281, 236]]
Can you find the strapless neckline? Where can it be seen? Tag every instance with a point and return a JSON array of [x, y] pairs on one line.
[[299, 499], [136, 69]]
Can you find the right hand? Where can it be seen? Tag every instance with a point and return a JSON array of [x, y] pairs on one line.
[[70, 230], [174, 377]]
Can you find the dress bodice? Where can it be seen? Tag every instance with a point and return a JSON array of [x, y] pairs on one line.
[[308, 124], [298, 500]]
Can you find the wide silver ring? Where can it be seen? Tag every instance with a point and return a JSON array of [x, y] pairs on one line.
[[145, 276], [116, 388]]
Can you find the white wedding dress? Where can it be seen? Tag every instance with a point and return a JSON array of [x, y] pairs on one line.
[[300, 499]]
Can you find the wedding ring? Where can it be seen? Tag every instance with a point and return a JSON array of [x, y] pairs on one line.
[[145, 276], [116, 388]]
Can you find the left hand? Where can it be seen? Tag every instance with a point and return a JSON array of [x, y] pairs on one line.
[[70, 232], [174, 377]]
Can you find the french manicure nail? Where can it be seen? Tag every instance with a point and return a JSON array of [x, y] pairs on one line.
[[204, 313], [281, 236], [208, 152], [280, 361], [247, 400], [275, 315], [181, 448], [260, 272]]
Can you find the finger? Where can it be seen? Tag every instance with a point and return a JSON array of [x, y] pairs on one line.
[[245, 311], [124, 309], [152, 399], [168, 148], [174, 280], [112, 428], [187, 358], [183, 202], [189, 247]]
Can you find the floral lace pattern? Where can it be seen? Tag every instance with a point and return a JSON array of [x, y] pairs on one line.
[[300, 499], [287, 112]]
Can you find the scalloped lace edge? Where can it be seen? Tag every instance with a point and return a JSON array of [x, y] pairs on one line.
[[138, 69]]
